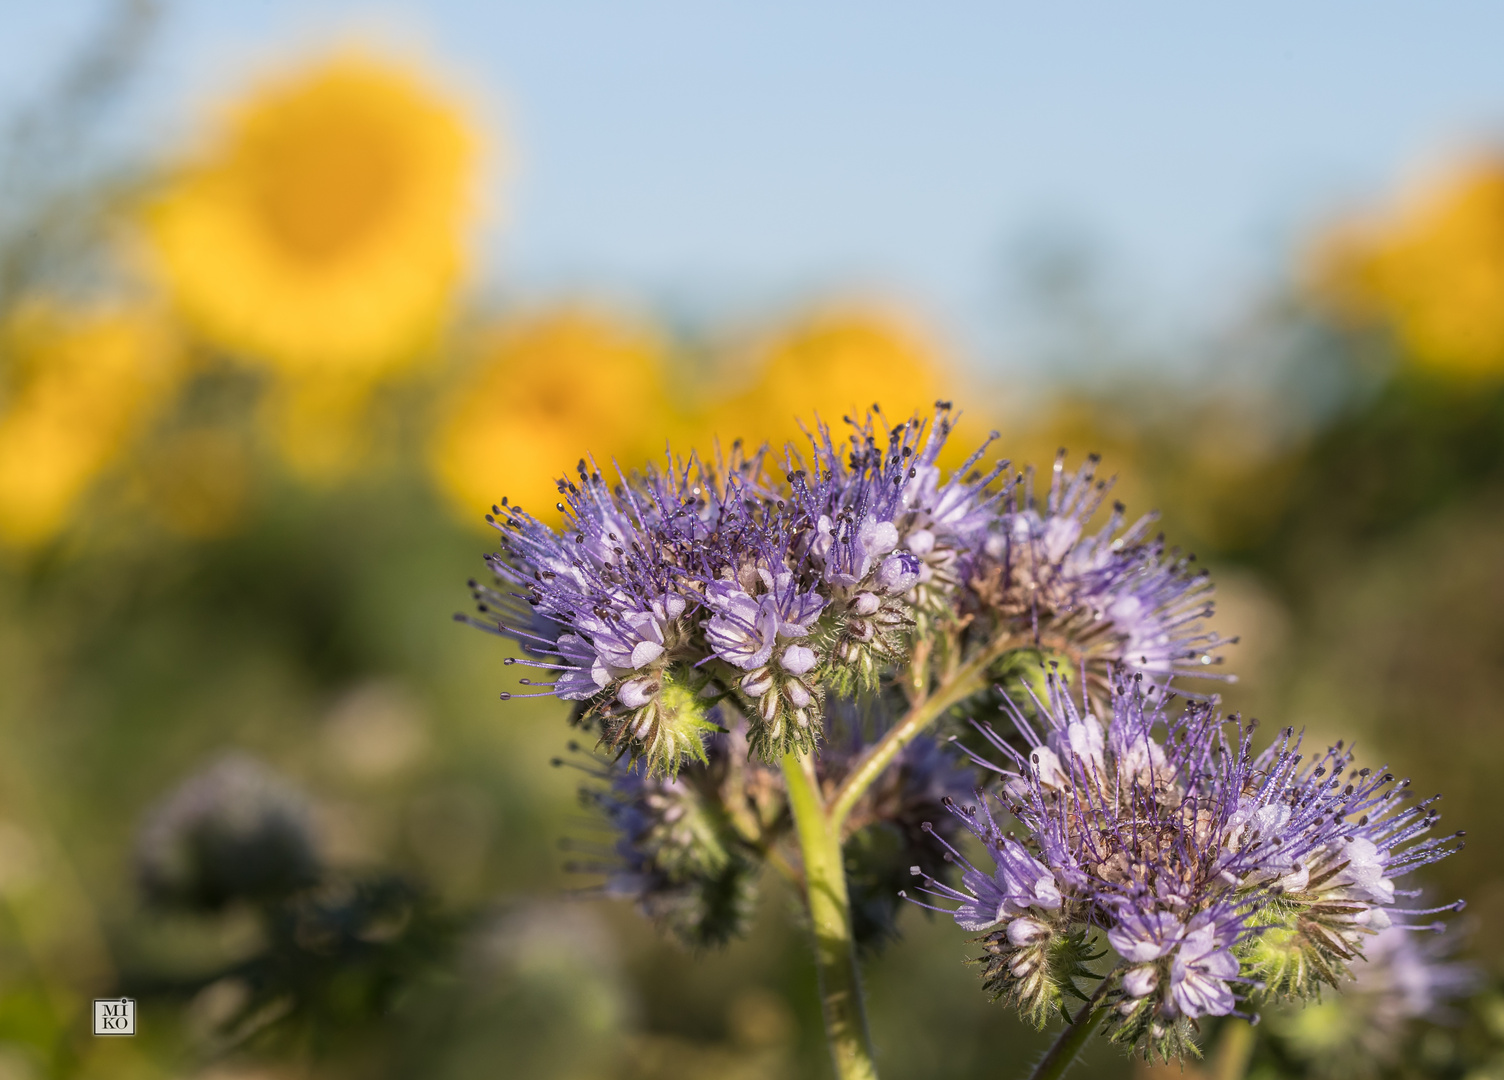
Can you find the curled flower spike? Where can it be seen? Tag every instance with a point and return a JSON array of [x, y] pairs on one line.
[[1115, 599], [1213, 871], [670, 848]]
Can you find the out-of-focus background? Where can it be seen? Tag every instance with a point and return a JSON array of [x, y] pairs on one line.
[[291, 293]]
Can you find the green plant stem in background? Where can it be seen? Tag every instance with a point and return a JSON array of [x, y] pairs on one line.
[[1234, 1049], [970, 678], [1068, 1044], [830, 918]]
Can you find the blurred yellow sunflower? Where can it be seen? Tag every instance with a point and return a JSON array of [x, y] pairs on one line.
[[547, 390], [75, 387], [834, 363], [1433, 270], [324, 428], [323, 230]]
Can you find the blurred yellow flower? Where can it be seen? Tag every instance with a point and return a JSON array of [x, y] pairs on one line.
[[77, 386], [546, 391], [836, 362], [1433, 270], [323, 427], [324, 229]]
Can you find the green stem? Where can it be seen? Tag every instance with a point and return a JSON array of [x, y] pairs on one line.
[[1068, 1044], [970, 678], [830, 916], [1234, 1049]]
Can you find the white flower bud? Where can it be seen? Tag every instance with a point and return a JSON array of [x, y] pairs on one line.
[[898, 573], [1140, 981], [757, 683], [1026, 931], [635, 693], [798, 660]]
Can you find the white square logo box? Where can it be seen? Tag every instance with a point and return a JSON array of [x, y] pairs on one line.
[[114, 1016]]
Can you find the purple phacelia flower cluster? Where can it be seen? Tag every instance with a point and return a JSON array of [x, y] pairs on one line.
[[1212, 872], [684, 585], [714, 621]]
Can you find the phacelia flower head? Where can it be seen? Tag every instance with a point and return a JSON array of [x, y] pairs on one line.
[[1214, 871], [699, 580], [1111, 599]]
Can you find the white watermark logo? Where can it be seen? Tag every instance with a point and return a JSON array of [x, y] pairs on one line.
[[114, 1016]]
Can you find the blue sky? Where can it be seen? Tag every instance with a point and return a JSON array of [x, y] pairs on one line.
[[707, 156]]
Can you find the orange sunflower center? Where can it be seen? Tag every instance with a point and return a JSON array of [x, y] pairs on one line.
[[324, 184]]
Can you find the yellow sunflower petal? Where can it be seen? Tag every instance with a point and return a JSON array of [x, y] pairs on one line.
[[834, 363], [324, 228], [1433, 270], [80, 386], [546, 391]]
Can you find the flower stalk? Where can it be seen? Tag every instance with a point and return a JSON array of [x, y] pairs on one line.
[[970, 678], [830, 920], [1234, 1049], [1067, 1046]]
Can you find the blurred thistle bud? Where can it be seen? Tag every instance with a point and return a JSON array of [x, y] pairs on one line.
[[235, 831], [336, 958], [673, 851]]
